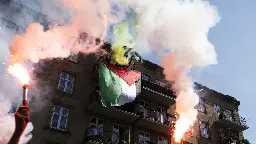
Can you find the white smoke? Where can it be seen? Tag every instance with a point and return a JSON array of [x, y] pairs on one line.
[[179, 27], [177, 30]]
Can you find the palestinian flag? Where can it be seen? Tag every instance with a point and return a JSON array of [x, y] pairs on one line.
[[117, 85]]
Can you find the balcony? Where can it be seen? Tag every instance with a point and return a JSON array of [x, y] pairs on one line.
[[124, 113], [237, 124], [98, 136], [157, 93], [154, 120], [227, 136], [133, 112]]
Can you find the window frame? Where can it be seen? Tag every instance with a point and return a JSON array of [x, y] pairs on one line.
[[145, 109], [145, 77], [65, 87], [59, 118], [201, 103], [144, 135], [217, 112], [119, 125], [230, 117], [70, 58], [163, 138], [97, 123], [162, 112], [207, 127]]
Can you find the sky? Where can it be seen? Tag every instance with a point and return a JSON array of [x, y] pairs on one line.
[[234, 39]]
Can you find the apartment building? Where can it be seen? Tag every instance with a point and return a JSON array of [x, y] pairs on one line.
[[218, 119], [73, 114]]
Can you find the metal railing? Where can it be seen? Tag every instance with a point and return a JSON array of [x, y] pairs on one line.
[[157, 88], [97, 135], [234, 119], [146, 113], [155, 116]]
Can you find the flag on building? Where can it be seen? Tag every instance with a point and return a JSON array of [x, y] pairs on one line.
[[117, 85]]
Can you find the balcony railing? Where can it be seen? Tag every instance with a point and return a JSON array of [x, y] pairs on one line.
[[97, 135], [157, 88], [145, 113], [155, 116], [233, 121], [128, 108], [227, 135]]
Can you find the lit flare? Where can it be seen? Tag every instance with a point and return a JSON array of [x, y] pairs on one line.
[[20, 72]]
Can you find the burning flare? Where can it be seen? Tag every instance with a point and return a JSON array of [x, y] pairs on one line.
[[185, 106], [20, 72]]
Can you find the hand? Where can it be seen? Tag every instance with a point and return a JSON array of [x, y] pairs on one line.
[[22, 117]]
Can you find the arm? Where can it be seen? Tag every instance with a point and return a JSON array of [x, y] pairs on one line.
[[22, 117]]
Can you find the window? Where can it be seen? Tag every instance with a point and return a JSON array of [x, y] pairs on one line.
[[160, 83], [145, 77], [66, 83], [216, 109], [201, 106], [73, 58], [229, 115], [204, 129], [96, 126], [144, 137], [144, 108], [161, 115], [162, 140], [59, 118], [120, 133]]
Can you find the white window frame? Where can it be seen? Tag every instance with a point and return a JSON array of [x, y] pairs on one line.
[[145, 77], [200, 105], [144, 109], [163, 113], [216, 109], [160, 140], [125, 131], [206, 127], [60, 117], [160, 83], [229, 115], [97, 123], [74, 58], [144, 137], [66, 81]]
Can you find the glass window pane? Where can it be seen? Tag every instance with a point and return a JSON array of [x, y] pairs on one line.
[[63, 75], [54, 120], [63, 123], [65, 111], [93, 120], [70, 78], [56, 109]]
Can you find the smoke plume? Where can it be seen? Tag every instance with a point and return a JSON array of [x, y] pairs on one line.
[[175, 29]]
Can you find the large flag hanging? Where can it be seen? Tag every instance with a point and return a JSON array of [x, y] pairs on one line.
[[117, 85]]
